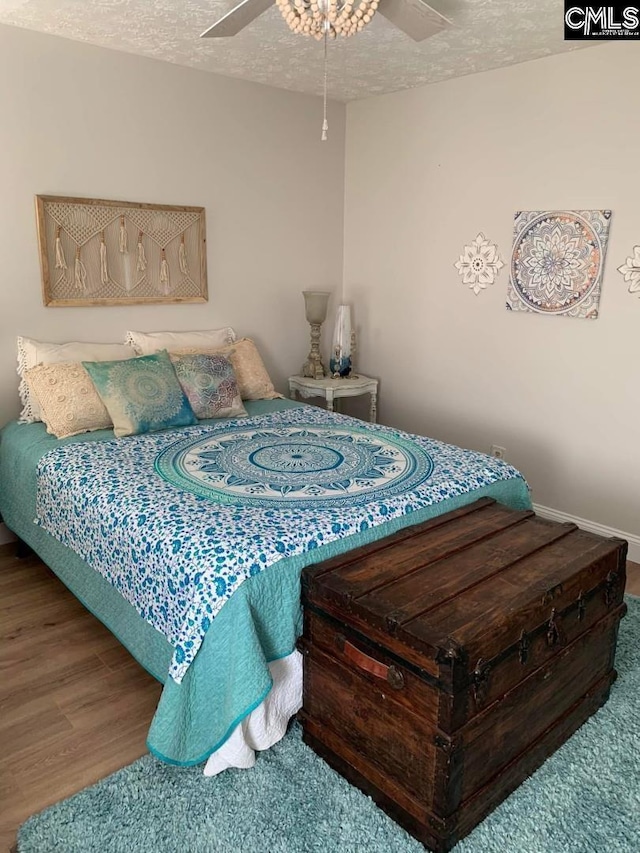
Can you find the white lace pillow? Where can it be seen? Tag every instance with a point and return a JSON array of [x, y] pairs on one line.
[[146, 343], [69, 402], [31, 353]]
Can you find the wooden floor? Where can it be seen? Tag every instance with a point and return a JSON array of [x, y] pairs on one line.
[[74, 706]]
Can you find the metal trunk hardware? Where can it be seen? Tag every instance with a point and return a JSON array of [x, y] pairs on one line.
[[480, 681], [523, 648], [553, 634], [610, 587], [581, 606]]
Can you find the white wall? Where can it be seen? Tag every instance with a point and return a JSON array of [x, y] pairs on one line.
[[83, 121], [426, 171]]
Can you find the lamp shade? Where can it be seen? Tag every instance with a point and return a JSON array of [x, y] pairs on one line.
[[315, 305]]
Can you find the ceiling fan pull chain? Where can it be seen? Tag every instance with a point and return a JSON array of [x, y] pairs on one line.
[[325, 123]]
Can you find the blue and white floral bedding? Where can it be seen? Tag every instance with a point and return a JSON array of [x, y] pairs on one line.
[[177, 520]]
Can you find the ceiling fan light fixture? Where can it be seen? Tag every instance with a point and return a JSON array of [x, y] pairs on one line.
[[326, 18]]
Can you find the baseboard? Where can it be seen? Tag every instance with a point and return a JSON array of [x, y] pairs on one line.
[[593, 527], [6, 535]]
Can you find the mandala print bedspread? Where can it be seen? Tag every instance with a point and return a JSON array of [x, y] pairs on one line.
[[177, 520]]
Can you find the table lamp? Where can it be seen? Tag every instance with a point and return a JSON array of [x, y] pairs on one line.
[[315, 306]]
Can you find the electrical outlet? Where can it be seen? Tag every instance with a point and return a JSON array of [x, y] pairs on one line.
[[497, 451]]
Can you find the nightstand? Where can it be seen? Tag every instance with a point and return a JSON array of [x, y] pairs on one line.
[[333, 389]]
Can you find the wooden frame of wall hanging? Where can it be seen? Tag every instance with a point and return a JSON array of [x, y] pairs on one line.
[[98, 252]]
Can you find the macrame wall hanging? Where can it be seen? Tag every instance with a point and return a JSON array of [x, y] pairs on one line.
[[96, 252]]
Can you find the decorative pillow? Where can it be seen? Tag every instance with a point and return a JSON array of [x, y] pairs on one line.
[[69, 403], [210, 384], [145, 343], [141, 394], [251, 375], [31, 353]]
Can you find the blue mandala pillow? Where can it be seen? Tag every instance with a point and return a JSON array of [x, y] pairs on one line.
[[210, 384], [141, 394]]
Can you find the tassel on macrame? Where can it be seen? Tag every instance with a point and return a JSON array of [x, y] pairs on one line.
[[80, 272], [61, 263], [142, 260], [164, 273], [182, 257], [104, 271], [124, 247]]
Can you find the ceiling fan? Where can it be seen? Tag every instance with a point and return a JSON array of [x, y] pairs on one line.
[[413, 17], [325, 19]]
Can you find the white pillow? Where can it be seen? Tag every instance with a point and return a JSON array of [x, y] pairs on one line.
[[146, 343], [32, 353]]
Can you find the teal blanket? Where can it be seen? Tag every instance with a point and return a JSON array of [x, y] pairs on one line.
[[229, 676]]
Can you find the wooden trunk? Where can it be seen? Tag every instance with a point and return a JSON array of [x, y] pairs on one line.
[[445, 663]]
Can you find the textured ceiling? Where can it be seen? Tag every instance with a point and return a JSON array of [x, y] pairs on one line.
[[485, 34]]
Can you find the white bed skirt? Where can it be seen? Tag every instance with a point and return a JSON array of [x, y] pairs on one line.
[[268, 723]]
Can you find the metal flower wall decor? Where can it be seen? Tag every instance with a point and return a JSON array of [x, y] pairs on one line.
[[479, 264], [631, 271]]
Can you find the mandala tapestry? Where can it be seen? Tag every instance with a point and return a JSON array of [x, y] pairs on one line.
[[249, 494], [299, 466], [557, 262]]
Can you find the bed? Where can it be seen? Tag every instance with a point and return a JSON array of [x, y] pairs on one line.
[[195, 567]]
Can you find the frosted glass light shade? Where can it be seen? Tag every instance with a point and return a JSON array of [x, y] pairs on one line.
[[315, 305], [340, 361]]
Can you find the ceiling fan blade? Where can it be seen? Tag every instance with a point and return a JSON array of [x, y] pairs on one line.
[[413, 17], [237, 19]]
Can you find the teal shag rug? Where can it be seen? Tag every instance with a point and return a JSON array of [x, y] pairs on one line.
[[584, 799]]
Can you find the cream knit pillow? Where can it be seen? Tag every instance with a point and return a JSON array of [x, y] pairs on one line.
[[32, 352], [68, 401]]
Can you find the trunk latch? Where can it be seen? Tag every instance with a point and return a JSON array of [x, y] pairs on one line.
[[523, 648], [480, 681], [610, 587], [553, 632]]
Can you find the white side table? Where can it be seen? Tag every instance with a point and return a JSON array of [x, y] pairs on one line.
[[333, 389]]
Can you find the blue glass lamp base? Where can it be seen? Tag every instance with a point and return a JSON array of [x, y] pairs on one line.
[[340, 366]]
